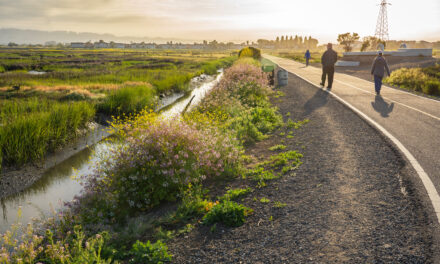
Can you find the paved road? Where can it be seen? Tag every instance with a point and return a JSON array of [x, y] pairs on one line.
[[413, 120]]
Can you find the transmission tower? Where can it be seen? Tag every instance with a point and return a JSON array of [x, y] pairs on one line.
[[382, 22]]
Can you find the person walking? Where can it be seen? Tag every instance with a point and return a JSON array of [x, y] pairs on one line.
[[378, 70], [328, 61], [307, 56]]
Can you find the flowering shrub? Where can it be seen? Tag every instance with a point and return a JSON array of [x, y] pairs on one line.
[[160, 158], [242, 95]]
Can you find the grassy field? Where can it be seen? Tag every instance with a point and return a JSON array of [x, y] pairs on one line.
[[41, 112]]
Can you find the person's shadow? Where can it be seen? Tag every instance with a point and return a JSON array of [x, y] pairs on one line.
[[319, 99], [382, 107]]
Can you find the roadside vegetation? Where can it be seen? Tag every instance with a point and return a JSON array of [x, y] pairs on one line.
[[41, 111], [161, 161], [424, 80]]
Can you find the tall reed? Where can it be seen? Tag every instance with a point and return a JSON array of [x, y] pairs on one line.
[[32, 128]]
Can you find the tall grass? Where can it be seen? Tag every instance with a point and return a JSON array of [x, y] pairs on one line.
[[127, 100], [31, 128]]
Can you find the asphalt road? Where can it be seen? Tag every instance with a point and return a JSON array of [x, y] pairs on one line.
[[413, 120]]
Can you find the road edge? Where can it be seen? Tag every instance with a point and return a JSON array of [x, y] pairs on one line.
[[423, 176]]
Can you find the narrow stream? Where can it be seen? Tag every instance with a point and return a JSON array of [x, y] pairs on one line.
[[58, 184]]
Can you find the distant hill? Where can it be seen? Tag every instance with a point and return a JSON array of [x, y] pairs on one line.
[[26, 36]]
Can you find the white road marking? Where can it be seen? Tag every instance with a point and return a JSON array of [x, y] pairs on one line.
[[391, 100], [427, 183]]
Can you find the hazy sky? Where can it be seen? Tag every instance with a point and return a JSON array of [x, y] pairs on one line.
[[224, 20]]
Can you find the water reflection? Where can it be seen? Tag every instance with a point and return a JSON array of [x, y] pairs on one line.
[[54, 188], [178, 107]]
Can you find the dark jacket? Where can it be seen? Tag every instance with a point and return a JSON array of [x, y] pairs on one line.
[[329, 58], [379, 66]]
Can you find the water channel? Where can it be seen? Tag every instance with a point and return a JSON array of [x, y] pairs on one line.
[[59, 184]]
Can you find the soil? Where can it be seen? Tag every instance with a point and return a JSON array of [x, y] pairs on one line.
[[351, 201]]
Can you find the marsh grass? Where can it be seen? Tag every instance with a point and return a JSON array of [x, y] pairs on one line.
[[33, 127], [127, 100]]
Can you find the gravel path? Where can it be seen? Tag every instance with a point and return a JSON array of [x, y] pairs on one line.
[[350, 202]]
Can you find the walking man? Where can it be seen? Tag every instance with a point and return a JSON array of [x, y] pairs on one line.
[[378, 71], [328, 61], [307, 56]]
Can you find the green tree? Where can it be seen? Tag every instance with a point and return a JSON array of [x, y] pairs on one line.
[[347, 40]]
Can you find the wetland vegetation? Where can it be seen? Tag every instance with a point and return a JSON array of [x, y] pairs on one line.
[[168, 166], [41, 112]]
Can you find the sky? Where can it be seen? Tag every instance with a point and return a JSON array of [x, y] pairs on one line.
[[224, 20]]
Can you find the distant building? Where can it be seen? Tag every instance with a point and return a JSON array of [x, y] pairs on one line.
[[120, 45], [101, 45], [77, 45]]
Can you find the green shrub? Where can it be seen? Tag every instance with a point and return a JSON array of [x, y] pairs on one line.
[[193, 204], [229, 213], [431, 87], [149, 253], [127, 100], [250, 52], [426, 80]]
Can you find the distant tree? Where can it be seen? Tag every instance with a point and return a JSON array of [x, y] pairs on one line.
[[12, 44], [371, 43], [365, 44], [347, 40]]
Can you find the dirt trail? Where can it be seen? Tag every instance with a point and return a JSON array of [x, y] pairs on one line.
[[350, 201]]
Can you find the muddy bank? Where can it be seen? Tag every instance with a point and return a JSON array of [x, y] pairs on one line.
[[14, 180]]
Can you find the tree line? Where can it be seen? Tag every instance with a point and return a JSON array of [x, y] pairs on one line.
[[289, 42]]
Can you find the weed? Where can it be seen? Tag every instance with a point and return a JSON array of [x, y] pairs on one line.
[[264, 200], [149, 252], [277, 147], [279, 94], [278, 204], [235, 194], [296, 125], [229, 213]]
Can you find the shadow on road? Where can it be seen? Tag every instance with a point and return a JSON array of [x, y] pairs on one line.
[[382, 107], [319, 99]]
